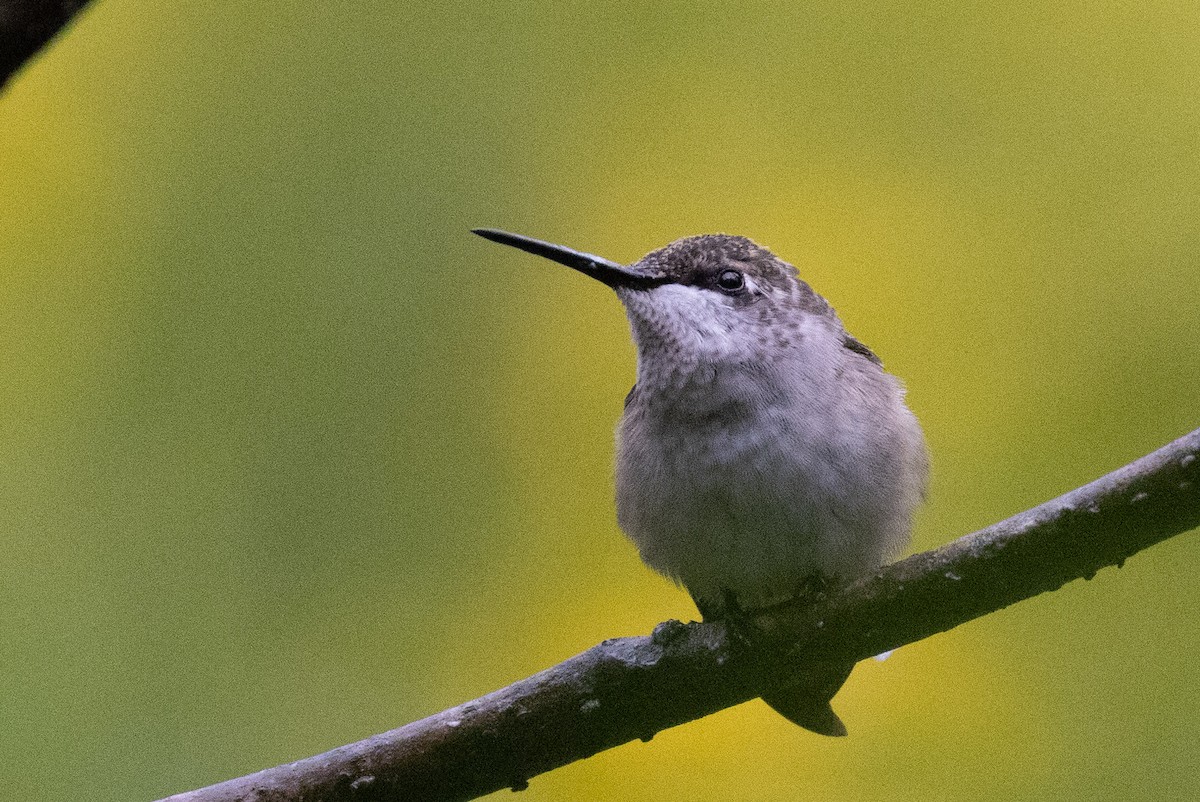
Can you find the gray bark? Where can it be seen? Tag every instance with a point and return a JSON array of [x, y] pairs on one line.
[[629, 688]]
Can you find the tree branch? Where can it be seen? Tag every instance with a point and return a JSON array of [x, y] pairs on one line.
[[26, 26], [629, 688]]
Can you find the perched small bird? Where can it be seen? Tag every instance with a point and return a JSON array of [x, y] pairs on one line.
[[763, 448]]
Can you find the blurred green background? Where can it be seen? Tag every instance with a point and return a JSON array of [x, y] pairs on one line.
[[289, 458]]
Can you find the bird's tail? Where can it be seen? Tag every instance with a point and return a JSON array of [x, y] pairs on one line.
[[804, 703], [807, 704]]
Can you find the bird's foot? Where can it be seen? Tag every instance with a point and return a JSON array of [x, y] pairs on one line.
[[742, 624], [814, 587]]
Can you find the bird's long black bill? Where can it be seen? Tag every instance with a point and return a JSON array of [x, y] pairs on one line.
[[599, 268]]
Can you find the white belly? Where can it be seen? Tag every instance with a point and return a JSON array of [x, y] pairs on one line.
[[738, 499]]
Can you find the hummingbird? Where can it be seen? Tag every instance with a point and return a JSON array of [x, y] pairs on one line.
[[763, 450]]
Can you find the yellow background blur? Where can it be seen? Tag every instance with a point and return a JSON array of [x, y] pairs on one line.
[[290, 458]]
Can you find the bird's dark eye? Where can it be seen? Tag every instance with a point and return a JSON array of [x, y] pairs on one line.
[[731, 280]]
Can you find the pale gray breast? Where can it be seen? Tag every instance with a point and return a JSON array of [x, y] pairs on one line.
[[746, 484]]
